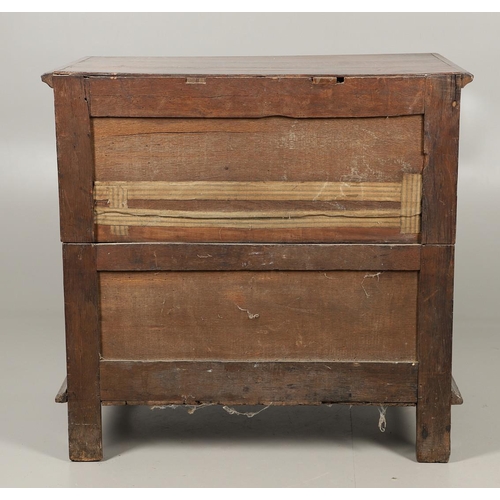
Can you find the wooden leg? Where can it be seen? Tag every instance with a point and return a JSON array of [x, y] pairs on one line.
[[82, 348], [434, 353]]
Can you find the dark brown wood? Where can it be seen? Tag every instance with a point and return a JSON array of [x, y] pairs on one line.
[[255, 97], [456, 397], [465, 76], [74, 159], [194, 407], [247, 257], [261, 316], [283, 66], [235, 235], [48, 78], [435, 321], [439, 183], [252, 206], [232, 383], [82, 345], [62, 393], [267, 149]]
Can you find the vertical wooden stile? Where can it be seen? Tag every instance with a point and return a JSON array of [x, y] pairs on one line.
[[75, 159], [82, 346]]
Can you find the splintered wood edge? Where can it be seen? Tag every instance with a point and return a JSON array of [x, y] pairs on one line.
[[62, 394], [456, 397]]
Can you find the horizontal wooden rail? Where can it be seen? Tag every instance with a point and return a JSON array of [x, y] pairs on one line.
[[252, 257], [253, 383]]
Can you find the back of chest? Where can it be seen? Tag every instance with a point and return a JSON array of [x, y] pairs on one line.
[[259, 231]]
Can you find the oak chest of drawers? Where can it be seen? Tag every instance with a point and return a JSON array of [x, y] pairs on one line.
[[269, 230]]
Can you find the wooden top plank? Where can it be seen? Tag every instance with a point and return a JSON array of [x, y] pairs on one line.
[[333, 65]]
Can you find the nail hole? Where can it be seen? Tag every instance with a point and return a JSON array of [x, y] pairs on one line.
[[340, 79]]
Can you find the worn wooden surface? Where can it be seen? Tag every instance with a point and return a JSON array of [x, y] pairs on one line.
[[340, 65], [193, 407], [390, 120], [196, 190], [287, 315], [435, 321], [232, 383], [283, 235], [169, 174], [254, 97], [411, 198], [249, 257], [74, 159], [48, 77], [439, 183], [258, 219], [267, 149], [82, 346], [463, 76], [253, 206]]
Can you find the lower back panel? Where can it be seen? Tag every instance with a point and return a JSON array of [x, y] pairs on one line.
[[259, 316]]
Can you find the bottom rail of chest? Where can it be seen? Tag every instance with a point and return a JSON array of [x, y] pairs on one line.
[[286, 397], [253, 383]]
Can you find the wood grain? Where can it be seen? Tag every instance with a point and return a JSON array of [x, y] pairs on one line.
[[260, 160], [435, 321], [411, 199], [233, 383], [280, 315], [116, 199], [335, 65], [241, 235], [253, 205], [247, 257], [48, 77], [74, 159], [252, 191], [254, 97], [112, 204], [272, 219], [194, 407], [274, 149], [439, 182], [83, 347]]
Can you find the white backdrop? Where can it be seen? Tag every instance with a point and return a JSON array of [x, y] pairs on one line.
[[32, 360]]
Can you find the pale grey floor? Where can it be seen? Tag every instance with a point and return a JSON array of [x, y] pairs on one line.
[[281, 447]]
